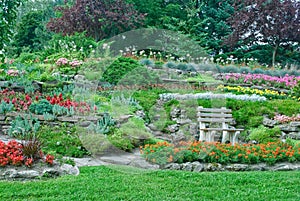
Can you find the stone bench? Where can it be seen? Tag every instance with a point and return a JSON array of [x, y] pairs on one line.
[[213, 120]]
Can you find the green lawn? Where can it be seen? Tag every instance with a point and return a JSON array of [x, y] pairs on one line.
[[124, 183]]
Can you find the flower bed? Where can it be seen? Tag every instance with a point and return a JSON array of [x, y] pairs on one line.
[[17, 154], [39, 103], [286, 119], [215, 152], [270, 94], [209, 95], [286, 82]]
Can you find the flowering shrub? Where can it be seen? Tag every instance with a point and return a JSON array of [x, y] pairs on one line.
[[66, 66], [285, 119], [12, 72], [286, 82], [12, 154], [62, 62], [270, 94], [272, 152]]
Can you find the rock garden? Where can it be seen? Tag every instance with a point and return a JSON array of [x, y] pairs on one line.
[[149, 100]]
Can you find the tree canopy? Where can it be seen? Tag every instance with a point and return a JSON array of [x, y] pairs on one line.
[[8, 15], [98, 18], [273, 22]]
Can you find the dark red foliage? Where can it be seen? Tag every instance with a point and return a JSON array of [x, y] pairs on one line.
[[265, 21], [99, 18]]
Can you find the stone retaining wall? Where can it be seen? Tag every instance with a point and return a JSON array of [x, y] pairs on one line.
[[83, 121]]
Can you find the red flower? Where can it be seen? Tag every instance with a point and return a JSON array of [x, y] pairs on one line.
[[49, 159], [28, 162], [27, 97]]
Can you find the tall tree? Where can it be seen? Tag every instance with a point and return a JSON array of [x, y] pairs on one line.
[[8, 14], [214, 27], [27, 31], [273, 22], [98, 18]]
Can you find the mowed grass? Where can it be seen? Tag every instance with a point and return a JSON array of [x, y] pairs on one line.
[[125, 183]]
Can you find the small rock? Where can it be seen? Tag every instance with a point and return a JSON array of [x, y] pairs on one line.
[[198, 167], [178, 137], [84, 123], [213, 167], [187, 166], [124, 118], [28, 174], [294, 135], [173, 166], [141, 114], [173, 128], [295, 124], [236, 167], [281, 167], [269, 122], [287, 128], [50, 172], [79, 77], [257, 167], [69, 169], [175, 113], [11, 173]]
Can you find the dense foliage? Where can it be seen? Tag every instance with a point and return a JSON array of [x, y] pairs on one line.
[[8, 15], [99, 19], [273, 22]]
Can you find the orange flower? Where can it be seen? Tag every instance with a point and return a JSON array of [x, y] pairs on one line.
[[170, 159], [246, 157], [176, 150], [239, 155]]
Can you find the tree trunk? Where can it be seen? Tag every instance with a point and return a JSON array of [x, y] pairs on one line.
[[274, 55]]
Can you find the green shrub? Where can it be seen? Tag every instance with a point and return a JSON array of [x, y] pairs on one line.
[[182, 66], [135, 129], [264, 135], [41, 107], [245, 70], [62, 140], [231, 69], [147, 62], [255, 121], [28, 58], [118, 69], [170, 65], [258, 71], [121, 141], [159, 64]]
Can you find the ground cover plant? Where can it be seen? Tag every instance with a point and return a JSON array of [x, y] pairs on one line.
[[124, 183]]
